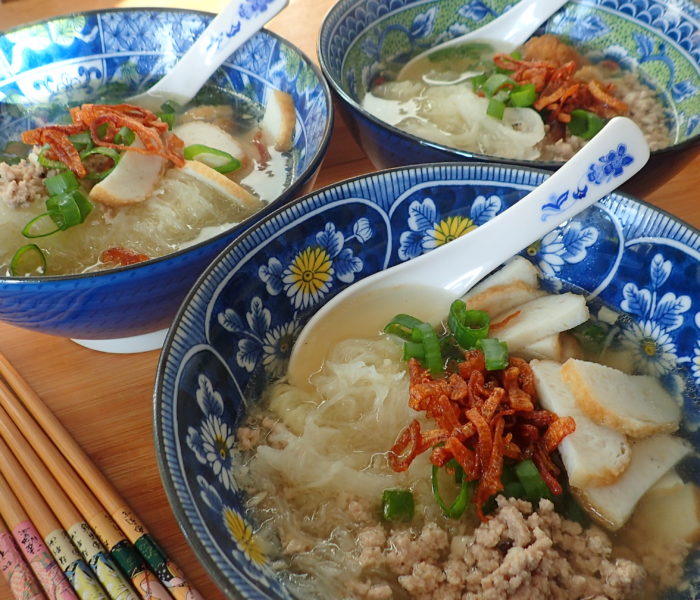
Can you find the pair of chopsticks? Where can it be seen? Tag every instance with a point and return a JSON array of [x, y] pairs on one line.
[[85, 542]]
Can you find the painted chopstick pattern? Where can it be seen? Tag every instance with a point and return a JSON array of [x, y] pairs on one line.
[[16, 571], [166, 570], [49, 575], [76, 570], [85, 540], [122, 551]]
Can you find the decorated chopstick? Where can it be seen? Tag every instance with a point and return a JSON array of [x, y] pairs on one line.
[[107, 572], [76, 570], [16, 571], [120, 549], [51, 579], [168, 572]]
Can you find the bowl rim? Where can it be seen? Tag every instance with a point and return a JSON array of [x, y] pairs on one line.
[[341, 7], [169, 485], [271, 206]]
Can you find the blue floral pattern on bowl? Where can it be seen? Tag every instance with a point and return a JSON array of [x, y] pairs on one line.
[[80, 57], [234, 333], [363, 39]]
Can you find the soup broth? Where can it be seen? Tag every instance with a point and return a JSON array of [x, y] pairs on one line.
[[542, 102], [182, 207], [318, 463]]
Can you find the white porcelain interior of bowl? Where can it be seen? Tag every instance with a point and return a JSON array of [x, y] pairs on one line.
[[127, 345]]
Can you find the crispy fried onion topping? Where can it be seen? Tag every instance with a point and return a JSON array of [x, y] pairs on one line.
[[559, 92], [103, 122], [481, 417]]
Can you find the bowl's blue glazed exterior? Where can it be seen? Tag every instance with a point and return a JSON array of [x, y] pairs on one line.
[[77, 58], [235, 331], [659, 38]]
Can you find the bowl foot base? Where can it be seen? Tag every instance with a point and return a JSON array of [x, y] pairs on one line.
[[128, 345]]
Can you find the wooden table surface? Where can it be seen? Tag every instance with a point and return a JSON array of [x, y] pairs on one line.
[[104, 400]]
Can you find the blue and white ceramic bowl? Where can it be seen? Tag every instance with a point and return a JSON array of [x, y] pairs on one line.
[[76, 59], [659, 38], [234, 332]]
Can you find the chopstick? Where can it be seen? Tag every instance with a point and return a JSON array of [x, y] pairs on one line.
[[136, 532], [22, 582], [120, 549], [94, 553], [49, 575], [74, 567]]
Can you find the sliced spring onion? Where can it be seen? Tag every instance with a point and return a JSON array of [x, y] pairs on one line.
[[61, 183], [495, 353], [460, 503], [170, 106], [524, 95], [102, 130], [468, 326], [220, 161], [413, 350], [125, 137], [109, 153], [402, 325], [82, 140], [496, 108], [585, 124], [28, 229], [397, 505], [70, 209], [44, 161], [495, 82], [431, 347], [64, 211], [478, 81], [24, 256], [532, 482], [167, 117]]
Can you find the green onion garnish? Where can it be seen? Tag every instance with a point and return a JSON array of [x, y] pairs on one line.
[[397, 505], [524, 95], [61, 183], [413, 350], [124, 137], [460, 503], [170, 106], [28, 229], [496, 108], [109, 153], [64, 211], [431, 347], [468, 326], [495, 82], [82, 140], [44, 161], [532, 482], [220, 161], [402, 325], [585, 124], [495, 353], [68, 210], [167, 117], [24, 255]]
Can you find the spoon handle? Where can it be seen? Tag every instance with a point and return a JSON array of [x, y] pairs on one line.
[[616, 153], [238, 21], [515, 26]]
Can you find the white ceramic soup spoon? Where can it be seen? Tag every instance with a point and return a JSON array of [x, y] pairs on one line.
[[230, 29], [505, 33], [426, 286]]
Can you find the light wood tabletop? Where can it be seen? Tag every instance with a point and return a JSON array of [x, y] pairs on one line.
[[104, 400]]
